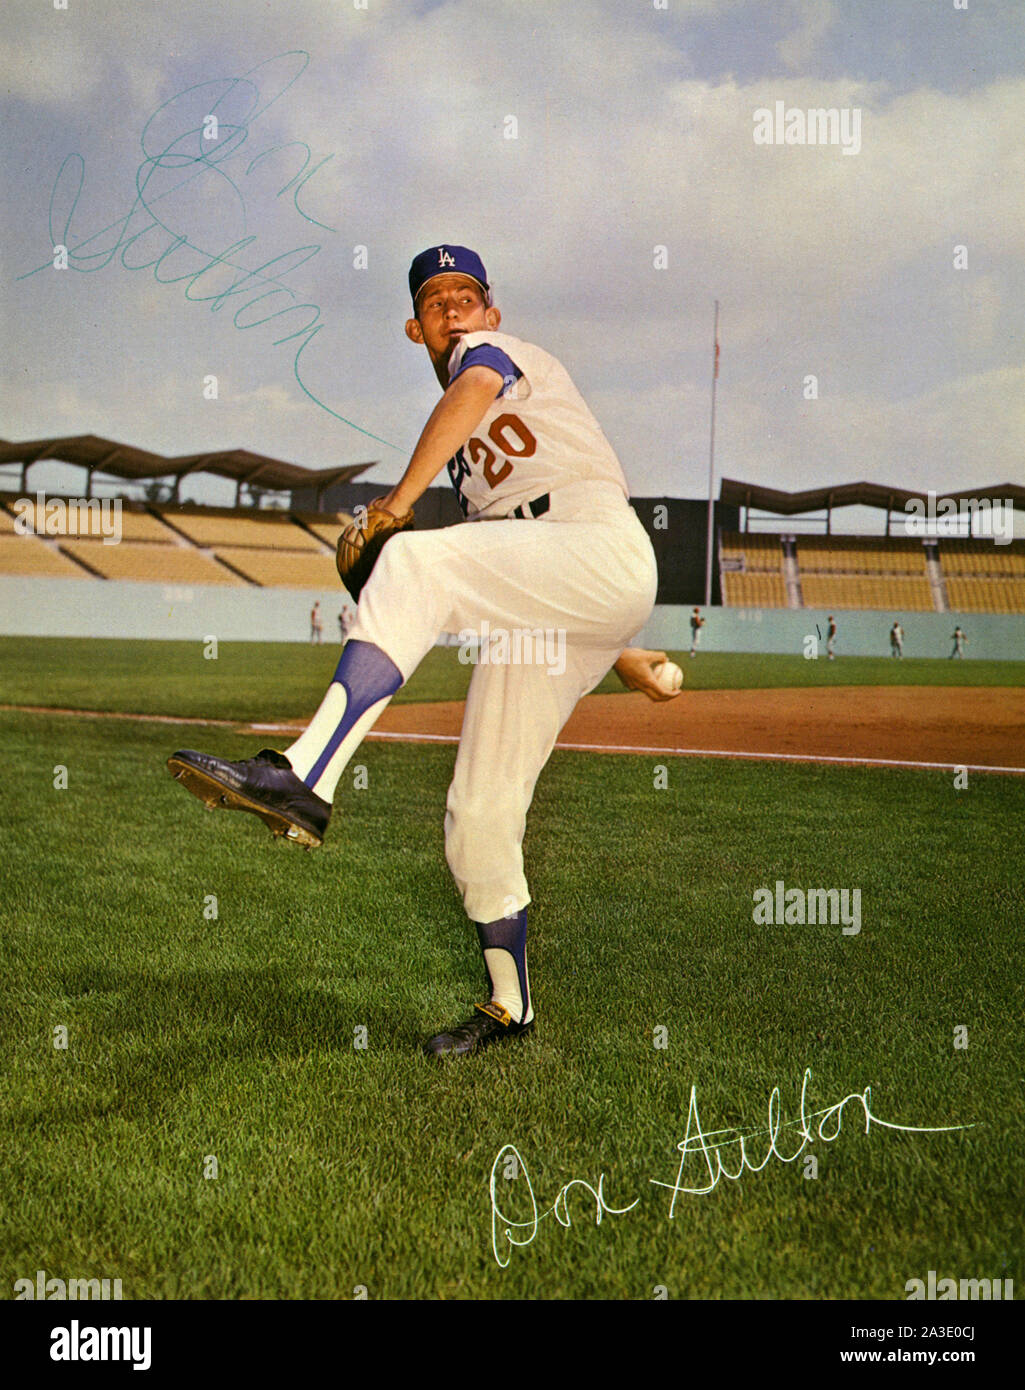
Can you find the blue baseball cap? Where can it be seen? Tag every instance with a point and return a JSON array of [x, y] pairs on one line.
[[446, 260]]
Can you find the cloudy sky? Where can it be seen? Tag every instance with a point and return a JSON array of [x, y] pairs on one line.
[[566, 140]]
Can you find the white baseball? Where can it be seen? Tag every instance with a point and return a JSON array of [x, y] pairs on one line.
[[668, 676]]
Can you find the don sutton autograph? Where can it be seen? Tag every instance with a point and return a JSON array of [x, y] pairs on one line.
[[188, 220], [705, 1147]]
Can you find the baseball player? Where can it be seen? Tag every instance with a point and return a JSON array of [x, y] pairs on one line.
[[550, 544], [831, 638], [697, 622], [897, 640], [316, 626], [959, 640]]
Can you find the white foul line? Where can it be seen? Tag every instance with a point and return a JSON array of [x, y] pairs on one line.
[[850, 759]]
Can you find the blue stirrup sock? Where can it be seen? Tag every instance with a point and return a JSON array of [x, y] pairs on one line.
[[504, 944], [362, 685]]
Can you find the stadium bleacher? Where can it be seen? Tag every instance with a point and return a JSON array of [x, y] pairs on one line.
[[327, 526], [982, 577], [868, 572], [983, 558], [751, 570], [143, 526], [191, 544], [215, 528], [181, 545], [137, 524], [754, 590], [863, 591], [147, 562], [29, 556], [864, 572], [986, 595], [860, 555], [282, 569], [759, 550]]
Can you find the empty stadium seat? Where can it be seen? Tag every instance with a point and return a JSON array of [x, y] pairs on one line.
[[864, 591], [155, 564], [970, 595], [215, 528], [327, 526], [28, 555], [132, 521], [78, 518], [751, 570], [983, 557], [859, 555], [282, 569], [756, 590], [143, 526], [983, 577], [184, 545], [760, 551]]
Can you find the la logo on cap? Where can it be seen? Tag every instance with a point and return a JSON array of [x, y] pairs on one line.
[[444, 258]]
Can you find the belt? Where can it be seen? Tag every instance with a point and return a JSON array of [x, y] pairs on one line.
[[534, 509]]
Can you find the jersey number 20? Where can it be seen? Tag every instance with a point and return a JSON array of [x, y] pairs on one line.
[[510, 436], [521, 445]]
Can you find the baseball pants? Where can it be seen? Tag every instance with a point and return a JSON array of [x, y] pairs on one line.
[[581, 580]]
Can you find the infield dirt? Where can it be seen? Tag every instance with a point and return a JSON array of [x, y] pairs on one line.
[[980, 726], [975, 726]]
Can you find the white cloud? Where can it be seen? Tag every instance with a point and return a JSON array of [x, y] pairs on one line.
[[815, 18]]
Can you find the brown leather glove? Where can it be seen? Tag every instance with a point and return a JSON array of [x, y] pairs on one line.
[[359, 546]]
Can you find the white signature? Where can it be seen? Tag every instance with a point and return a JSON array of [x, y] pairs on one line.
[[710, 1146]]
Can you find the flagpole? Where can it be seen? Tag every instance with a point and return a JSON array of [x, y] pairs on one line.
[[711, 465]]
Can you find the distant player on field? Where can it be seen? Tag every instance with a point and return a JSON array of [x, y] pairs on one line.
[[316, 626], [897, 640], [959, 640], [551, 543], [697, 622], [831, 638]]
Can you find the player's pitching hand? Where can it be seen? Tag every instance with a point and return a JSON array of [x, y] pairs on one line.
[[636, 669]]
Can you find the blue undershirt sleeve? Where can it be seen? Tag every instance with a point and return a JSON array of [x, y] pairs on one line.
[[487, 355]]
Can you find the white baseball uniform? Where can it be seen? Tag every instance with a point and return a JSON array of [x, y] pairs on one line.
[[573, 568], [553, 578]]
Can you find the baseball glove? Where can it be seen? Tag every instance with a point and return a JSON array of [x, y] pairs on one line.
[[360, 545]]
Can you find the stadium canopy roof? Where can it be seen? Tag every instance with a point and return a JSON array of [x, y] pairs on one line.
[[888, 499], [106, 456]]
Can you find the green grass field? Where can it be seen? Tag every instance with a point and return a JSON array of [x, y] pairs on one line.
[[276, 680], [341, 1166]]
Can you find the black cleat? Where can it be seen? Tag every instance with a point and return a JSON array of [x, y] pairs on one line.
[[491, 1023], [265, 785]]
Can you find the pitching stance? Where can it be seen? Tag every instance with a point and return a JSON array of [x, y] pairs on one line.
[[551, 543]]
